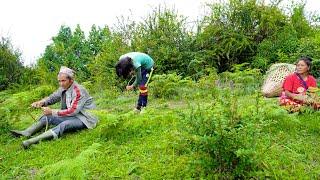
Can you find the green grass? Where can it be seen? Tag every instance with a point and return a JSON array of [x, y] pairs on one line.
[[155, 145]]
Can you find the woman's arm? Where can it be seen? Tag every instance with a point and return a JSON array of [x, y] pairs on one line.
[[290, 94], [138, 77], [299, 97]]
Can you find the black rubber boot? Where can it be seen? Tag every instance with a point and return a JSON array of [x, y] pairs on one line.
[[46, 135], [30, 130]]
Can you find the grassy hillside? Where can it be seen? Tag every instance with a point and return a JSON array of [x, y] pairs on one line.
[[208, 129]]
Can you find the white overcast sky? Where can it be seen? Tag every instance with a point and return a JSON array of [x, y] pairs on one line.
[[30, 24]]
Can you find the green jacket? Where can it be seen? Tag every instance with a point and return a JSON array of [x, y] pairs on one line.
[[140, 61]]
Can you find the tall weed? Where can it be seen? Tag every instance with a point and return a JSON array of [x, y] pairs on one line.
[[12, 107]]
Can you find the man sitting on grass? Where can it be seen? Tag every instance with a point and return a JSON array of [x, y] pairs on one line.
[[72, 116]]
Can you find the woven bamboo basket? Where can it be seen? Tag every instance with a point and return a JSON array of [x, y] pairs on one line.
[[272, 86]]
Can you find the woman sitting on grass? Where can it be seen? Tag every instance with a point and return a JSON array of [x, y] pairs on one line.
[[296, 86]]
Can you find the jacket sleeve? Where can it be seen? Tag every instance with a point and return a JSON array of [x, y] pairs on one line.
[[53, 98], [77, 104]]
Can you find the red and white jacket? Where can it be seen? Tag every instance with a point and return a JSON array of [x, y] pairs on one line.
[[78, 101]]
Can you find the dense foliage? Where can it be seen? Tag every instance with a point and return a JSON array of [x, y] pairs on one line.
[[11, 68], [214, 128], [233, 32], [206, 118]]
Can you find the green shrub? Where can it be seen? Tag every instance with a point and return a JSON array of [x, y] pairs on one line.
[[315, 71], [168, 86], [242, 79], [163, 34], [10, 64], [230, 132], [17, 104], [219, 133], [233, 30]]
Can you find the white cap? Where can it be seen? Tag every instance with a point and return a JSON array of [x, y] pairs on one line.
[[67, 71]]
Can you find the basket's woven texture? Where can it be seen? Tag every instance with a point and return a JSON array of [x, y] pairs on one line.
[[275, 76], [314, 94]]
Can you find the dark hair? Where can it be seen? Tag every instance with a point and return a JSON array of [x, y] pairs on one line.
[[307, 60], [124, 67]]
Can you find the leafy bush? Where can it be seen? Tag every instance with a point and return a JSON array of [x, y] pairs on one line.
[[11, 67], [229, 133], [219, 131], [232, 31], [163, 34], [315, 68], [13, 106], [168, 86], [242, 79], [102, 67], [295, 38]]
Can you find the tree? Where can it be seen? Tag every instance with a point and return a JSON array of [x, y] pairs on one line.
[[232, 32], [163, 35], [68, 49], [11, 67]]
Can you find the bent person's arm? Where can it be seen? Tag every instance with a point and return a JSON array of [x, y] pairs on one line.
[[138, 77]]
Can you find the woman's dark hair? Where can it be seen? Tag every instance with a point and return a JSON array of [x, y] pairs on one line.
[[124, 67], [307, 60]]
